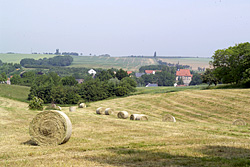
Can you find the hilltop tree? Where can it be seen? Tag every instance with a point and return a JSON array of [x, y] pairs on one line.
[[154, 54]]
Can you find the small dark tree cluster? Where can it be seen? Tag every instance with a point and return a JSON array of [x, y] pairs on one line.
[[164, 78], [55, 61]]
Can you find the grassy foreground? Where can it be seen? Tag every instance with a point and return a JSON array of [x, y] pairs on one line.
[[202, 136]]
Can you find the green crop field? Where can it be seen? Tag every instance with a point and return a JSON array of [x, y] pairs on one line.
[[202, 136], [127, 63], [193, 62], [16, 58]]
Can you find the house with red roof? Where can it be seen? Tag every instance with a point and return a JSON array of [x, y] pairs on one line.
[[185, 75], [152, 71], [129, 72]]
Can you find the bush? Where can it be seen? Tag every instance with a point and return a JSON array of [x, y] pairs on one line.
[[36, 104], [121, 91]]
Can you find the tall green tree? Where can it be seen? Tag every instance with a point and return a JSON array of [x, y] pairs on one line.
[[231, 63], [196, 79], [209, 77]]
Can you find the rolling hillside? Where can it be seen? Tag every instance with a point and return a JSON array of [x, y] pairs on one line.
[[16, 58], [202, 136], [127, 63]]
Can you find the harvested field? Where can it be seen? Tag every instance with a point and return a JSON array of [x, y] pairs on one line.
[[202, 136], [193, 62]]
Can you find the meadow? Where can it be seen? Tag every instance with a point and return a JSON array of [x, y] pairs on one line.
[[202, 136]]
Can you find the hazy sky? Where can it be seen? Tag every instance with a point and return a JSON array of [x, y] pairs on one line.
[[123, 27]]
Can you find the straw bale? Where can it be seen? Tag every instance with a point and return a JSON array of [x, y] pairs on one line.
[[122, 114], [50, 128], [59, 108], [239, 122], [72, 109], [100, 110], [82, 105], [140, 117], [109, 111], [168, 118], [53, 107]]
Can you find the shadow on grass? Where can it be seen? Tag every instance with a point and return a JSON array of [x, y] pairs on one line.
[[228, 86], [30, 142], [212, 156]]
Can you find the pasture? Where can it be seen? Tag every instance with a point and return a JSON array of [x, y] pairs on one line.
[[202, 136]]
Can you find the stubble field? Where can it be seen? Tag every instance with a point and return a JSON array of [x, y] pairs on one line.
[[202, 136]]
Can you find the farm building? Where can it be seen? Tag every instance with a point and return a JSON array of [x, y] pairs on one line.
[[152, 71], [185, 75], [129, 72], [138, 75], [8, 81], [151, 85], [80, 80], [91, 71]]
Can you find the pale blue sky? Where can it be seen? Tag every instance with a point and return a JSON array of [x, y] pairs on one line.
[[124, 27]]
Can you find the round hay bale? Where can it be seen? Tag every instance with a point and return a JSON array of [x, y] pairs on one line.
[[141, 117], [59, 108], [53, 106], [82, 105], [100, 110], [122, 115], [109, 111], [168, 118], [72, 109], [50, 128], [239, 122]]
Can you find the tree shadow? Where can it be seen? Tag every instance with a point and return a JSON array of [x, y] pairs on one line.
[[212, 156], [30, 142], [226, 152]]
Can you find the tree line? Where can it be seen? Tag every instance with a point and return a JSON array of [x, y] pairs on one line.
[[46, 62], [52, 88]]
